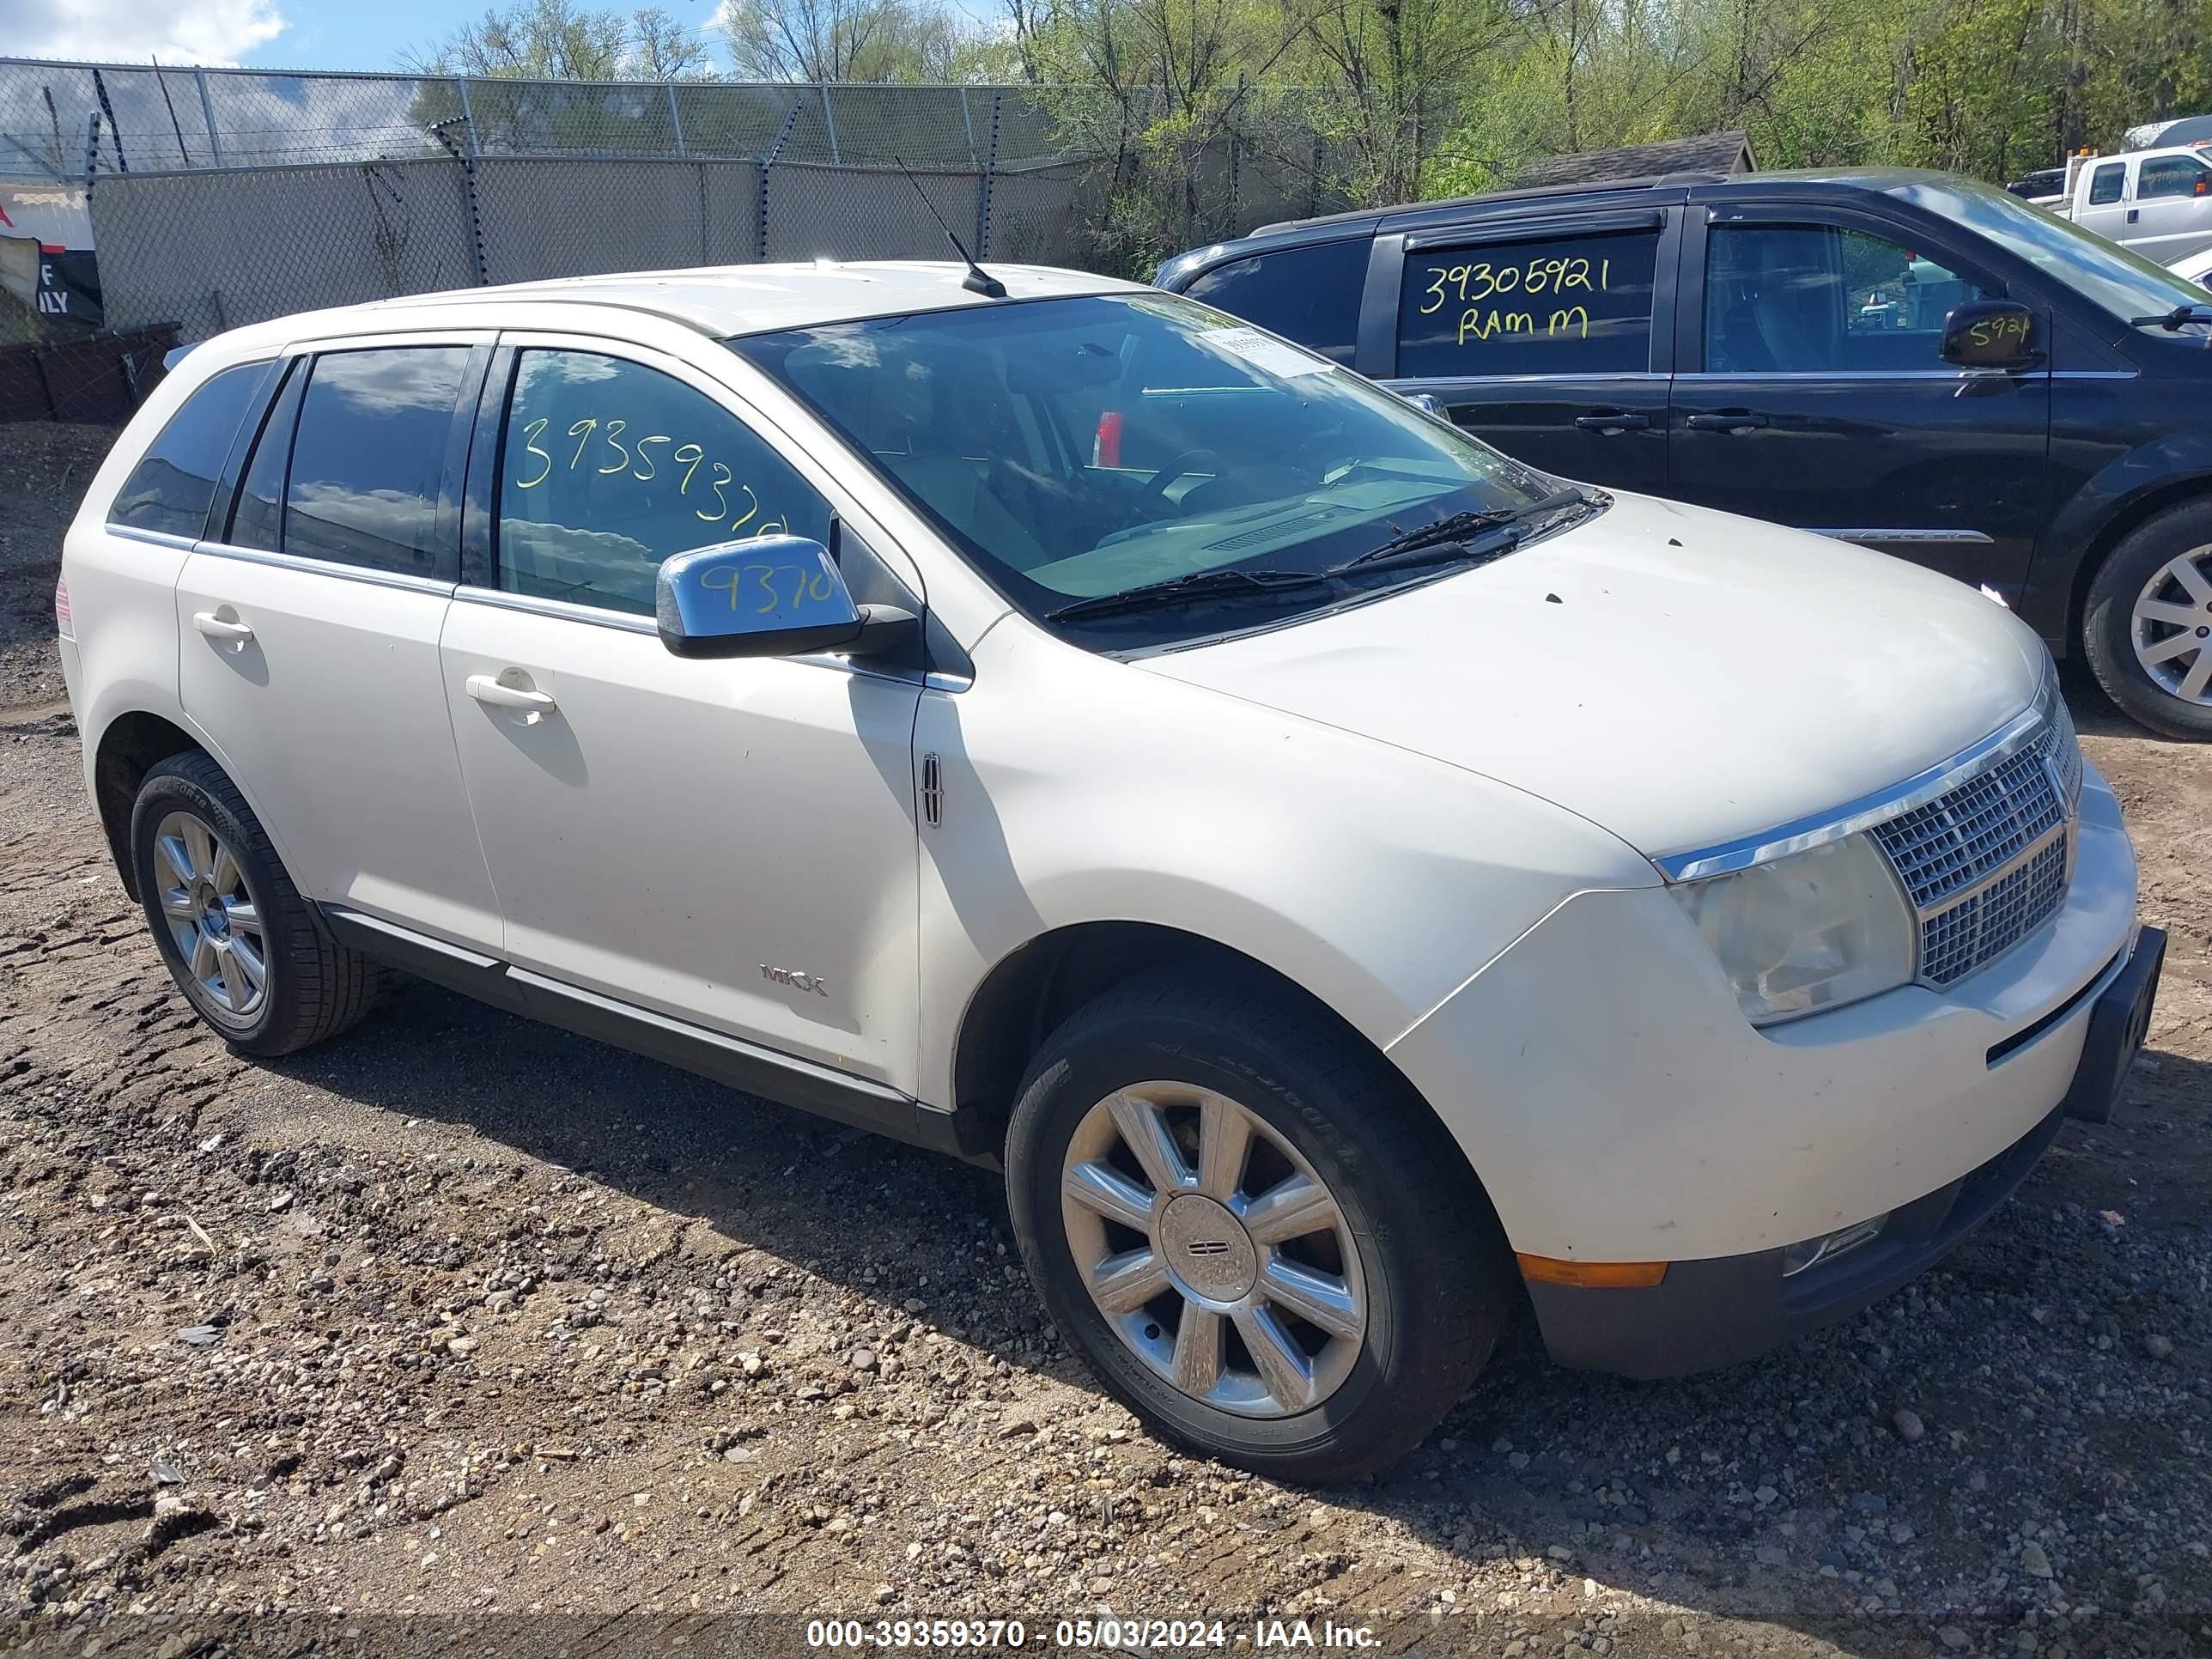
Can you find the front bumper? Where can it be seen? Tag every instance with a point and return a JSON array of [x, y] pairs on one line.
[[1618, 1108], [1724, 1310]]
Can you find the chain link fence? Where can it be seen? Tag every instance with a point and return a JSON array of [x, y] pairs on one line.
[[218, 198], [207, 251], [160, 120]]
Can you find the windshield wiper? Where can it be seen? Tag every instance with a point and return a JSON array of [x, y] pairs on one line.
[[2179, 318], [1198, 584], [1459, 535]]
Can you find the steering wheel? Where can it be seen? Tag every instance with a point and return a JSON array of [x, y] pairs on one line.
[[1156, 492]]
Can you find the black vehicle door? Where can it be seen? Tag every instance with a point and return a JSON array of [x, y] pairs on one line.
[[1536, 335], [1811, 391]]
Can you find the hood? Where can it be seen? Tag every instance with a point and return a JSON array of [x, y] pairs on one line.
[[1682, 676]]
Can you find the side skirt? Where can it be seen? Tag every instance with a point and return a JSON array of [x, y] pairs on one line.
[[784, 1079]]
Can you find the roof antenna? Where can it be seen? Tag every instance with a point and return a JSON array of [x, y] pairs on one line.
[[978, 280]]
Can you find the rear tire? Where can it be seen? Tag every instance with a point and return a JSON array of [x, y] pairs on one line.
[[2147, 627], [1298, 1275], [247, 951]]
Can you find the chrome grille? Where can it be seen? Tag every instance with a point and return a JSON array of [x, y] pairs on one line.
[[1986, 863], [1985, 925], [2062, 747]]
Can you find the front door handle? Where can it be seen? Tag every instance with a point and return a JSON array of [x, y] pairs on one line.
[[486, 689], [229, 632], [1617, 421], [1735, 421], [226, 631], [2134, 214]]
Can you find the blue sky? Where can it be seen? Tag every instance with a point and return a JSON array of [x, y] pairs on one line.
[[325, 34], [301, 35]]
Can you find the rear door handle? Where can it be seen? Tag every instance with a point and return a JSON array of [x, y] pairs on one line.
[[217, 627], [1740, 421], [1621, 421], [486, 689]]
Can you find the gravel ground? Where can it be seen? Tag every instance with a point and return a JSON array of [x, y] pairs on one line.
[[461, 1315]]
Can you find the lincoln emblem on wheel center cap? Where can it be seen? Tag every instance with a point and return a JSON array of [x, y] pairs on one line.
[[1207, 1249]]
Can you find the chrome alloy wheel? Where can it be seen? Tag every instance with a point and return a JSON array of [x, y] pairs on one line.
[[1213, 1249], [212, 914], [2172, 627]]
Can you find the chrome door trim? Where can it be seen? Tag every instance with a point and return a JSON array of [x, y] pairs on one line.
[[626, 621], [709, 1037], [131, 532], [806, 1085], [1799, 377], [1917, 537], [1818, 829], [350, 573]]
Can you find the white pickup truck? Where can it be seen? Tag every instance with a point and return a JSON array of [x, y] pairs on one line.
[[2158, 202]]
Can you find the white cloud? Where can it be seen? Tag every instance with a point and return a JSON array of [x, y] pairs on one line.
[[125, 31]]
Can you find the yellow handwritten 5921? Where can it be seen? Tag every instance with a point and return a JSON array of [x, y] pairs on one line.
[[776, 587]]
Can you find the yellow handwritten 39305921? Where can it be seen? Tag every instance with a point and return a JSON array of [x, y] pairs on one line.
[[1485, 279]]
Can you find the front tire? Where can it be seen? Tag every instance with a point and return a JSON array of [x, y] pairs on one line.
[[241, 943], [2147, 627], [1262, 1241]]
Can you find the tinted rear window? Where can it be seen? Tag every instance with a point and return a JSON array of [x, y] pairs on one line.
[[1549, 304], [369, 457], [171, 488], [1309, 294]]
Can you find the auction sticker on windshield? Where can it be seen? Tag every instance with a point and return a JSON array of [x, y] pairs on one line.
[[1262, 353]]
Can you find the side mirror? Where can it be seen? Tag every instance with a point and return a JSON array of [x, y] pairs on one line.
[[1989, 334], [774, 595], [1427, 404]]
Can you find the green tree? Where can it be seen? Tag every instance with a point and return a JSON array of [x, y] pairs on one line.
[[557, 40]]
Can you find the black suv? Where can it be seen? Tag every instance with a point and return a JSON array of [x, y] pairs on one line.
[[1913, 361]]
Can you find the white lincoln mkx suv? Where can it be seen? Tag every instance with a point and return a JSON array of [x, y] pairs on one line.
[[1351, 882]]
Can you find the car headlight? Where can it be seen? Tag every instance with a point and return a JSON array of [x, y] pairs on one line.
[[1811, 931]]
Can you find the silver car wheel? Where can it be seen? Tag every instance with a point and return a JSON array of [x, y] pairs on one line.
[[212, 914], [2172, 627], [1212, 1249]]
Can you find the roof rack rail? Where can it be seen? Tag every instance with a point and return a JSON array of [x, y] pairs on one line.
[[1526, 192]]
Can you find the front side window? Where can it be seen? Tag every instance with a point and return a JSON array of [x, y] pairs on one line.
[[1077, 449], [609, 467], [2171, 175], [172, 486], [1555, 305], [1311, 295], [2107, 182], [1815, 299], [2120, 281], [368, 459]]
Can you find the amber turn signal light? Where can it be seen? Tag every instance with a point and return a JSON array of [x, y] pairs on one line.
[[1592, 1275]]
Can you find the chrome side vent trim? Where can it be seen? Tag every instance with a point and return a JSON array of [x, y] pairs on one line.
[[933, 790]]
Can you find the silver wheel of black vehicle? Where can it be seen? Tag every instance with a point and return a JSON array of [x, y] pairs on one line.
[[1213, 1249], [2147, 621], [212, 914], [2171, 626]]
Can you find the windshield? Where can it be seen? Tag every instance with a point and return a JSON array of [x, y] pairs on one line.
[[1080, 448], [2123, 283]]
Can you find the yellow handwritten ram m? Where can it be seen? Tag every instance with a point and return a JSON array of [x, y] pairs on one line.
[[1474, 323]]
